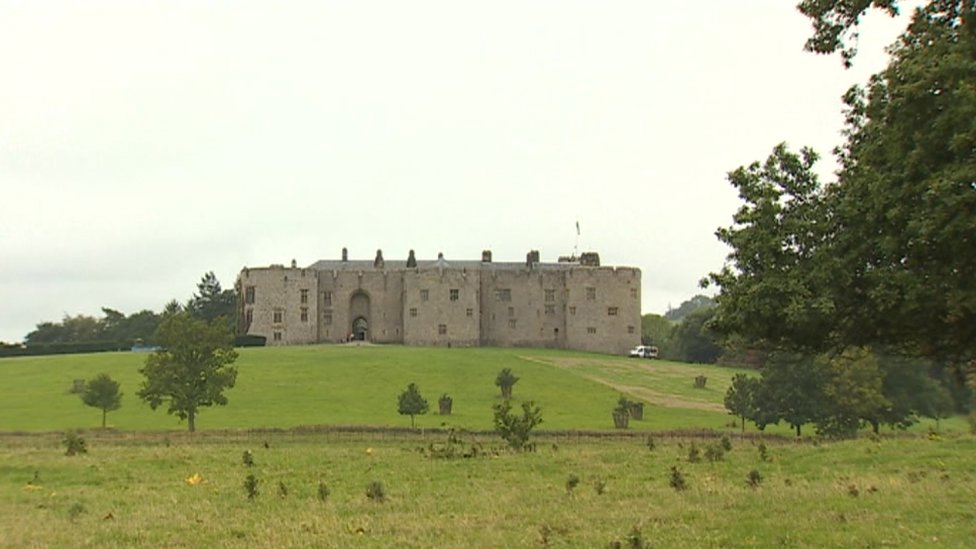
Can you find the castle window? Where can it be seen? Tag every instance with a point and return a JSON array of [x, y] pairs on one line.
[[469, 312], [503, 294], [424, 295], [511, 311], [455, 293], [304, 314], [327, 317], [572, 311], [590, 293], [442, 329], [304, 296], [413, 311], [278, 315], [611, 311], [633, 293], [249, 316], [630, 329], [550, 310], [277, 336], [590, 330], [512, 322], [550, 296], [327, 298], [249, 295]]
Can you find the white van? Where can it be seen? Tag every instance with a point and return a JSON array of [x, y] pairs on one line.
[[644, 351]]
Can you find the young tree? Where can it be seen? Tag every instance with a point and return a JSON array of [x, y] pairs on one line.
[[411, 403], [102, 393], [790, 389], [193, 368], [740, 399], [853, 385], [505, 381], [515, 429]]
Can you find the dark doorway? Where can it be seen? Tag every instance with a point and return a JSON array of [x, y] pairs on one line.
[[359, 329]]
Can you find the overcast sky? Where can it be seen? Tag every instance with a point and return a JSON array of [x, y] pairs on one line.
[[143, 144]]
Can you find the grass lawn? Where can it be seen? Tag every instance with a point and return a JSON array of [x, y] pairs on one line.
[[132, 492]]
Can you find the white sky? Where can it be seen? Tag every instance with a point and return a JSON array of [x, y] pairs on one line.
[[145, 143]]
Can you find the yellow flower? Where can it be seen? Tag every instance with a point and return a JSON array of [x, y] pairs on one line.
[[195, 479]]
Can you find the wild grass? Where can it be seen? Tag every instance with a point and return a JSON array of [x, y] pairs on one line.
[[894, 492]]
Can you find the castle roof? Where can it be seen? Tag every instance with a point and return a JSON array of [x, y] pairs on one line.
[[396, 265]]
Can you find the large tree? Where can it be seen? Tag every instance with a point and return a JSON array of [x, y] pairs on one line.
[[886, 255], [212, 302], [192, 369]]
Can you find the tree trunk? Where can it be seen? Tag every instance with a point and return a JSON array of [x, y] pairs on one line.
[[103, 417], [797, 431], [191, 423], [743, 424], [412, 426]]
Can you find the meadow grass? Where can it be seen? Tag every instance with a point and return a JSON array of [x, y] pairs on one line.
[[285, 387], [908, 491], [347, 385]]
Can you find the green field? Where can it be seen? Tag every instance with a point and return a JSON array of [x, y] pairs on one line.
[[130, 489], [347, 385], [125, 492]]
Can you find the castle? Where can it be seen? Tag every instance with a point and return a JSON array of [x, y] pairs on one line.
[[574, 303]]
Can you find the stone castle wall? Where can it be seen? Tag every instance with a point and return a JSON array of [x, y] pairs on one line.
[[570, 306]]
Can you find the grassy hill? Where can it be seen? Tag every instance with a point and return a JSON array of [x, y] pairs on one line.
[[349, 385]]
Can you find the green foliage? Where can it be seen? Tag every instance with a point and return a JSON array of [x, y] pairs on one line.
[[714, 452], [763, 452], [650, 443], [515, 429], [323, 492], [102, 393], [247, 458], [852, 392], [74, 444], [192, 370], [572, 481], [694, 453], [696, 304], [677, 480], [621, 413], [726, 443], [251, 486], [656, 330], [213, 304], [375, 491], [882, 257], [634, 540], [411, 403], [754, 479], [740, 399], [693, 339], [505, 380], [790, 389], [599, 486]]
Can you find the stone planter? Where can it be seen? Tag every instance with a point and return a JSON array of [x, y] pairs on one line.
[[445, 405], [637, 410]]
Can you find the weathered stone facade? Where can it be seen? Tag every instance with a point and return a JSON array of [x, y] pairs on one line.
[[572, 304]]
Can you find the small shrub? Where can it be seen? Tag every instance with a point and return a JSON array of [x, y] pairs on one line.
[[853, 491], [600, 486], [700, 382], [251, 486], [694, 454], [375, 491], [571, 483], [677, 480], [76, 510], [282, 490], [247, 458], [714, 452], [515, 429], [754, 479], [649, 442], [763, 452], [634, 540], [726, 443], [74, 444], [323, 492]]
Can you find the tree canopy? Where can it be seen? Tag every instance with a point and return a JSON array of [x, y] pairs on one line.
[[102, 393], [885, 256], [192, 369], [411, 403]]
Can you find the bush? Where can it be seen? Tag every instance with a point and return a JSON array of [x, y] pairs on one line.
[[571, 483], [714, 452], [74, 444], [677, 480], [247, 458], [323, 492], [251, 486], [375, 491], [515, 429], [726, 443], [754, 479], [694, 454]]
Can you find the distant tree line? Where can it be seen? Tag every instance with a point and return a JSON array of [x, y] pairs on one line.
[[116, 331]]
